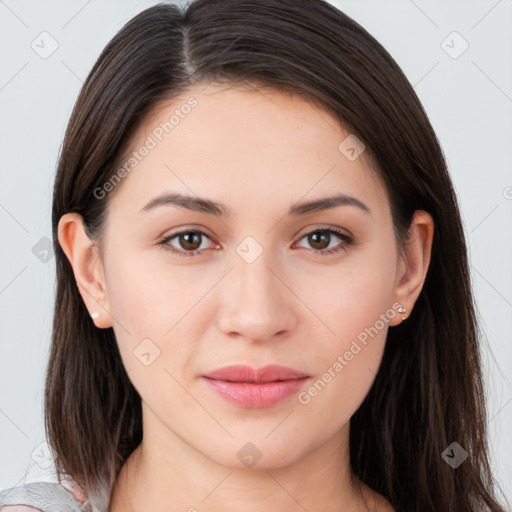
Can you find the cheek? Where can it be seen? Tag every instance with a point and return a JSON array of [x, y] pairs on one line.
[[350, 296], [154, 305], [355, 309], [336, 393], [148, 294], [346, 362]]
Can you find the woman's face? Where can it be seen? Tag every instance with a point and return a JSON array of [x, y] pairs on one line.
[[248, 284]]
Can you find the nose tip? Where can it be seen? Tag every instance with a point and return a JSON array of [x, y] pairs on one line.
[[257, 304]]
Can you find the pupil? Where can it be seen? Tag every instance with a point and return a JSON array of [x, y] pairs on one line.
[[191, 240], [315, 237], [188, 244]]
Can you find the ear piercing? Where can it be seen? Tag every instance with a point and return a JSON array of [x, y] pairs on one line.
[[402, 310], [95, 314]]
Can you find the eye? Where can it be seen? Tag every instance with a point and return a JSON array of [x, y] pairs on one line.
[[320, 240], [189, 240]]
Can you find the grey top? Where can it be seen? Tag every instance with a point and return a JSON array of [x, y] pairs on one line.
[[44, 497]]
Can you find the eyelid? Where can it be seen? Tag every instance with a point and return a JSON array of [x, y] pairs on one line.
[[347, 240], [205, 231], [164, 239], [346, 237], [187, 229], [321, 227]]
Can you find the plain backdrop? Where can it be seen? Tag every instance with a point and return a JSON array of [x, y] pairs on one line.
[[457, 55]]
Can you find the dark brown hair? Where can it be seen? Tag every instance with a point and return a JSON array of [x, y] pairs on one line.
[[428, 392]]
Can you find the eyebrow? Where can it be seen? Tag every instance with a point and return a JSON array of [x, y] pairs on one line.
[[208, 206]]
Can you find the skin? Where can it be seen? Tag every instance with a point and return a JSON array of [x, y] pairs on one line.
[[258, 153]]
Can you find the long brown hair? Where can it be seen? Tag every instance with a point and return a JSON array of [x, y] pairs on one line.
[[428, 391]]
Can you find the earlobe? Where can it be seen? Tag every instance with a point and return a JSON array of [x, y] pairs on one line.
[[415, 262], [84, 258]]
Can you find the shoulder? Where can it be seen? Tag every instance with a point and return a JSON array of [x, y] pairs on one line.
[[44, 497]]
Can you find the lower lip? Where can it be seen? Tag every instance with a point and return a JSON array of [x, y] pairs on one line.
[[252, 395]]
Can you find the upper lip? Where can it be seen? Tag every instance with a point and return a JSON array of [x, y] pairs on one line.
[[244, 373]]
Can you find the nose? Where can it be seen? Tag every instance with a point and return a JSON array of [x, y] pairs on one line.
[[257, 302]]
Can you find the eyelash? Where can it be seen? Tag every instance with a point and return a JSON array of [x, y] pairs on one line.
[[347, 242]]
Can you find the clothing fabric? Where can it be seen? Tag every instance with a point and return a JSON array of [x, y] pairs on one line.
[[45, 497]]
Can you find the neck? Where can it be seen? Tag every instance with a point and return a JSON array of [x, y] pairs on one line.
[[166, 473]]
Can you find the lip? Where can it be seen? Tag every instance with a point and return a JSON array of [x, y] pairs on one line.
[[245, 373], [255, 388]]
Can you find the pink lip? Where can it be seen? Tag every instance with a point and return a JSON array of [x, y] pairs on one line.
[[244, 373], [251, 387]]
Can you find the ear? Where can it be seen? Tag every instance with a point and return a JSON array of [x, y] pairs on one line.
[[84, 257], [413, 265]]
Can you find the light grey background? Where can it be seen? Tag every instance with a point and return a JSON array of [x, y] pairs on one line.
[[468, 98]]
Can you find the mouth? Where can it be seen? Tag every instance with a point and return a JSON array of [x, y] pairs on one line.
[[254, 381], [249, 388], [249, 375]]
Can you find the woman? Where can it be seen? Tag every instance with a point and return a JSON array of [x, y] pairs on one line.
[[263, 297]]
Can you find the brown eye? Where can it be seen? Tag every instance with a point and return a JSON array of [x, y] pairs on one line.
[[187, 244], [190, 240], [320, 240]]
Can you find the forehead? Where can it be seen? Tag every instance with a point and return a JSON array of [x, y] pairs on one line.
[[242, 143]]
